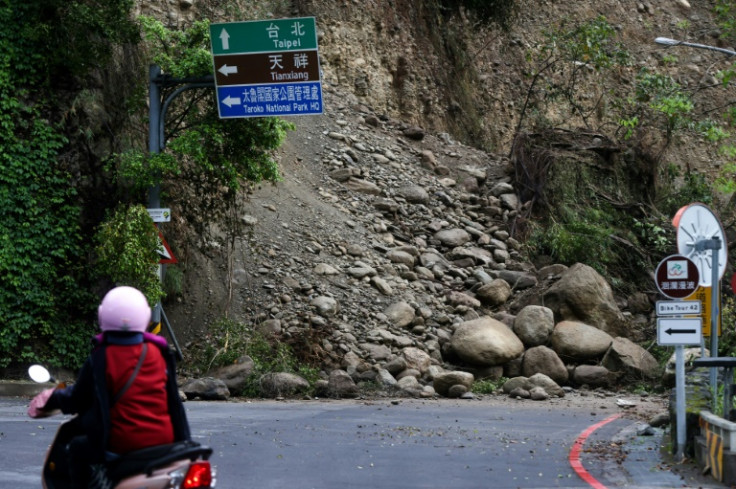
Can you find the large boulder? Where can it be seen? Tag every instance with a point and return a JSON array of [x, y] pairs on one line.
[[444, 381], [278, 384], [534, 324], [540, 359], [583, 295], [630, 361], [485, 342], [593, 376], [578, 341], [416, 359], [515, 386], [550, 386], [236, 376], [207, 389], [495, 293], [341, 385]]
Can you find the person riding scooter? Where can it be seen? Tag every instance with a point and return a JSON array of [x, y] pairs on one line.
[[126, 395]]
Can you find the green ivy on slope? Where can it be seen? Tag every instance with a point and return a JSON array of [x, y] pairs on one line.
[[44, 44]]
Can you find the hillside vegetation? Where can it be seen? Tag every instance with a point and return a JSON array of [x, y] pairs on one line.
[[603, 134]]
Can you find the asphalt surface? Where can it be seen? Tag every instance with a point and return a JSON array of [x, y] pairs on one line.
[[436, 444]]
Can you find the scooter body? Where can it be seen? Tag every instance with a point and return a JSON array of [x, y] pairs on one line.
[[181, 465]]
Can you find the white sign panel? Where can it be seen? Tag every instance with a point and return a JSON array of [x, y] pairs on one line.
[[677, 308], [679, 331], [160, 215]]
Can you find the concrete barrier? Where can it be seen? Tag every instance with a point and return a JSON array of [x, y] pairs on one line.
[[715, 449]]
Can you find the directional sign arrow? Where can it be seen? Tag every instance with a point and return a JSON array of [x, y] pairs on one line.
[[225, 38], [680, 331], [230, 101], [228, 70]]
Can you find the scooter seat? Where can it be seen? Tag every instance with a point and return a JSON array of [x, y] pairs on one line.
[[149, 459]]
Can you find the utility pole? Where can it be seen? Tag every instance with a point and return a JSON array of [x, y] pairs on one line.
[[157, 143]]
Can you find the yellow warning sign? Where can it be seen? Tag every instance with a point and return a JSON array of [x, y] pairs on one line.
[[705, 296]]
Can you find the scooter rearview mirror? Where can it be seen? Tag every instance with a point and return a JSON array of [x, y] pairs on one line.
[[40, 374]]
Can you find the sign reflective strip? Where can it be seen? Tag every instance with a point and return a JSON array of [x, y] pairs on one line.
[[714, 443]]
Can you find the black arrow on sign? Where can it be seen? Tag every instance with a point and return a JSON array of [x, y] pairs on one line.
[[679, 331]]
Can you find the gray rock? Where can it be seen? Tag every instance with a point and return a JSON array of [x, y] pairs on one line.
[[382, 286], [578, 341], [630, 360], [593, 376], [486, 342], [457, 391], [416, 359], [207, 389], [326, 306], [538, 394], [452, 237], [385, 378], [583, 295], [400, 314], [341, 385], [282, 384], [540, 359], [550, 386], [444, 381], [534, 325], [495, 293], [236, 376], [414, 194], [399, 256]]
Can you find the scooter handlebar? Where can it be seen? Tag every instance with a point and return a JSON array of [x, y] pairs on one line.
[[36, 408]]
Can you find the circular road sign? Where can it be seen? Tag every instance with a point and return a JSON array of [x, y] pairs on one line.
[[677, 277], [696, 223]]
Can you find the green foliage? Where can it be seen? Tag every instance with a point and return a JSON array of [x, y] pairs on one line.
[[173, 281], [591, 43], [569, 56], [44, 302], [140, 171], [487, 386], [629, 124], [179, 53], [127, 245], [653, 236], [664, 96], [215, 155], [726, 12], [227, 341], [727, 339], [576, 240], [677, 189]]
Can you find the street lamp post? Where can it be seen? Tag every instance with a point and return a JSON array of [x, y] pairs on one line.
[[666, 41], [681, 426]]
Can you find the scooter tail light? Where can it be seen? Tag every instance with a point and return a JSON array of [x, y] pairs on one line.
[[199, 476]]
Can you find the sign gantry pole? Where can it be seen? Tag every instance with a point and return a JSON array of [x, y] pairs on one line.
[[156, 143]]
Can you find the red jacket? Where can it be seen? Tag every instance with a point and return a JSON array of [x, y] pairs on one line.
[[140, 418], [149, 413]]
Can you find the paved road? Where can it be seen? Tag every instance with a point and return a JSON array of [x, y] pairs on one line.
[[357, 444]]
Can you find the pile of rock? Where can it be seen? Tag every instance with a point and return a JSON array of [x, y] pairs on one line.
[[407, 264]]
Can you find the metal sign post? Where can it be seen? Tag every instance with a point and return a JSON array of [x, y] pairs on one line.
[[677, 277], [157, 142]]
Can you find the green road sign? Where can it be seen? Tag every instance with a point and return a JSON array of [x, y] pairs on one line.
[[297, 34]]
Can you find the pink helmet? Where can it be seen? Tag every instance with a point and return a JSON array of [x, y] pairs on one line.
[[124, 309]]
